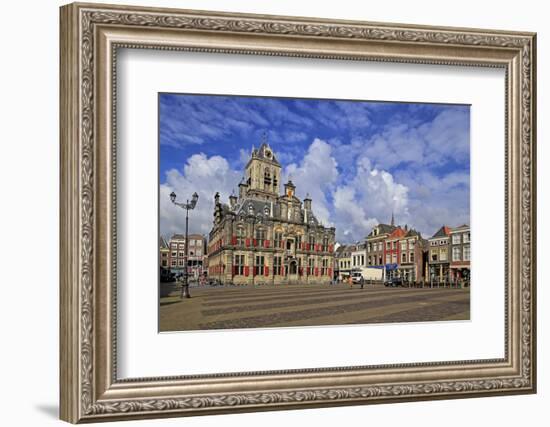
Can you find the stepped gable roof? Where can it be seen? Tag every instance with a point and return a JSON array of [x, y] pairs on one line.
[[442, 232]]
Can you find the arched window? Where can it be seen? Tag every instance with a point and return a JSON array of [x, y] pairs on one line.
[[278, 239], [325, 243], [251, 209], [240, 236], [311, 241]]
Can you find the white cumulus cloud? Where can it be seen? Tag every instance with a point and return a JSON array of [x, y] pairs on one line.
[[205, 175], [367, 199], [315, 175]]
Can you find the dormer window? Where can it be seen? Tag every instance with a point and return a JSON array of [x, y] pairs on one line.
[[251, 209]]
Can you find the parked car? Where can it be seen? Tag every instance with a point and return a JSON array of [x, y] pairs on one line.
[[166, 276], [394, 282]]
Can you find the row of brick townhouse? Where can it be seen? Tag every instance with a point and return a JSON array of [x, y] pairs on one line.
[[172, 254], [400, 251], [264, 237]]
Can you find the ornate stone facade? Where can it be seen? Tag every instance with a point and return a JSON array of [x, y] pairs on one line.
[[263, 237]]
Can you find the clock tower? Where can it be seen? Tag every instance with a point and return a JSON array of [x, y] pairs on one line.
[[263, 173]]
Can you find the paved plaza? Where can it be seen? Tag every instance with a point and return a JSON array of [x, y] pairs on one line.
[[309, 305]]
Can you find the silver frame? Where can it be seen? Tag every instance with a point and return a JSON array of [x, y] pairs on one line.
[[90, 37]]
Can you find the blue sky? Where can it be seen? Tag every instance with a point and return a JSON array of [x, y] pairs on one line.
[[358, 160]]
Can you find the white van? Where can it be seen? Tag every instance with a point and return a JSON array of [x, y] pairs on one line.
[[368, 273]]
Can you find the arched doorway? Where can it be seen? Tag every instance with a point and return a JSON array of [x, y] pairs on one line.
[[292, 271], [293, 267]]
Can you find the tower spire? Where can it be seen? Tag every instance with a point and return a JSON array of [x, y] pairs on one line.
[[392, 220]]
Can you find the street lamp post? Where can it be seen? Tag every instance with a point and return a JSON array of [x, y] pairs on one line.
[[187, 206]]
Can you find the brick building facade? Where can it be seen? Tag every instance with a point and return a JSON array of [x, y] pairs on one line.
[[195, 258], [460, 253]]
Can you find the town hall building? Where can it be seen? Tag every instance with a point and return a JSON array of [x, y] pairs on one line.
[[264, 237]]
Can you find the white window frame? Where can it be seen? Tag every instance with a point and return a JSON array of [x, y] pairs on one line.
[[456, 253], [466, 249]]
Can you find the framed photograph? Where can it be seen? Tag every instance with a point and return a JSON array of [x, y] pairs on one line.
[[267, 212]]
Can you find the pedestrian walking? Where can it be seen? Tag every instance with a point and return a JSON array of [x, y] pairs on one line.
[[350, 281], [362, 282]]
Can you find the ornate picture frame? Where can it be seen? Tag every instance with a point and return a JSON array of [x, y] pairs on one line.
[[90, 37]]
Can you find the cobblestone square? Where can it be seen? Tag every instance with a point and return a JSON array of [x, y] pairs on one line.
[[276, 306]]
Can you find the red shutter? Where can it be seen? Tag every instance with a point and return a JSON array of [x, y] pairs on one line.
[[246, 270], [254, 243], [247, 242], [330, 272], [301, 271], [266, 271], [266, 243], [234, 240]]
